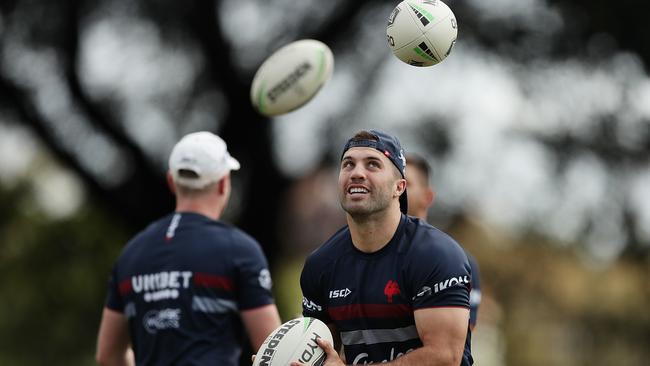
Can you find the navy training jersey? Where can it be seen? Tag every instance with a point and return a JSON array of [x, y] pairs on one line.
[[370, 297], [475, 294], [181, 283]]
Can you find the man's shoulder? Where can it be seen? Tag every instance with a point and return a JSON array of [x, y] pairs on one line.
[[331, 249], [189, 228], [421, 232], [222, 234], [424, 239], [150, 231]]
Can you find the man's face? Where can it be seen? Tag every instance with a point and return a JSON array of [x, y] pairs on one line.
[[420, 193], [368, 181]]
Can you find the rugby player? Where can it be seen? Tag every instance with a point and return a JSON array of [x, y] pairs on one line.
[[392, 288], [182, 288]]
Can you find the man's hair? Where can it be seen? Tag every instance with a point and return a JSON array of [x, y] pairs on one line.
[[188, 192], [420, 164], [364, 135]]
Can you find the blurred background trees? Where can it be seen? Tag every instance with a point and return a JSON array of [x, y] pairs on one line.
[[537, 127]]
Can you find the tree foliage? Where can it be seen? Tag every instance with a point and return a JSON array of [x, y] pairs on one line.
[[54, 276]]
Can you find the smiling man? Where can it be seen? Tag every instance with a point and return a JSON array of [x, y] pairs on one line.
[[391, 287]]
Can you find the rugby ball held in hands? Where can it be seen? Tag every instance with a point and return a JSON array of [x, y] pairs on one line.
[[291, 76], [294, 340]]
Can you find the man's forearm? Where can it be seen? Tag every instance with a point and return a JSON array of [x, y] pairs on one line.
[[125, 359]]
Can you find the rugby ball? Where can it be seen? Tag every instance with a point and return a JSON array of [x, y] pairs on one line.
[[291, 76], [422, 32], [294, 341]]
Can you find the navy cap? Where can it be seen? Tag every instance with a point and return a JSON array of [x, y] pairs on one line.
[[391, 148]]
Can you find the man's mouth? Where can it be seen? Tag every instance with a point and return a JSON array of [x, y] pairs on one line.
[[355, 190]]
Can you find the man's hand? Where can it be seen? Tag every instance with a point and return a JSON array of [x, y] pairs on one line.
[[332, 359]]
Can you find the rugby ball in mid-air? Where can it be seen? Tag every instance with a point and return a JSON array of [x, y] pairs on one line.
[[291, 76], [421, 32], [294, 341]]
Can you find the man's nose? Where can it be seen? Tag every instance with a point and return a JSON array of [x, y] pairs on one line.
[[358, 172]]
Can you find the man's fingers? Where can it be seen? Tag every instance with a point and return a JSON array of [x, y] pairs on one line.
[[326, 346]]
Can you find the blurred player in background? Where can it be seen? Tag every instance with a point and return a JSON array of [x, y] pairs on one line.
[[181, 289], [421, 196], [391, 287]]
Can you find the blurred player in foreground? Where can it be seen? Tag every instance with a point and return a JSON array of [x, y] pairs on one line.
[[421, 196], [182, 287], [391, 287]]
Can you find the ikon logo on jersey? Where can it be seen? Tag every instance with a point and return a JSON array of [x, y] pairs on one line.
[[340, 293], [442, 285]]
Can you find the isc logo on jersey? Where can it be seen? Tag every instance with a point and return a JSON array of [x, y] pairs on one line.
[[340, 293]]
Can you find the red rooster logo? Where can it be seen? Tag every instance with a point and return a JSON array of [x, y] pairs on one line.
[[391, 289]]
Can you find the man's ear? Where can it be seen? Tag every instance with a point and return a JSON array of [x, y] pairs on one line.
[[430, 196], [401, 187], [170, 183], [222, 185]]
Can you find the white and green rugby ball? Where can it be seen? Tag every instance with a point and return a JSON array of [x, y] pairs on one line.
[[421, 32], [294, 341], [291, 77]]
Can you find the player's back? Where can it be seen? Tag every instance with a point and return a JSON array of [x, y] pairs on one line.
[[181, 283]]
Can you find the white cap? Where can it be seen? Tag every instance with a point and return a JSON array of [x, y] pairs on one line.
[[203, 153]]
